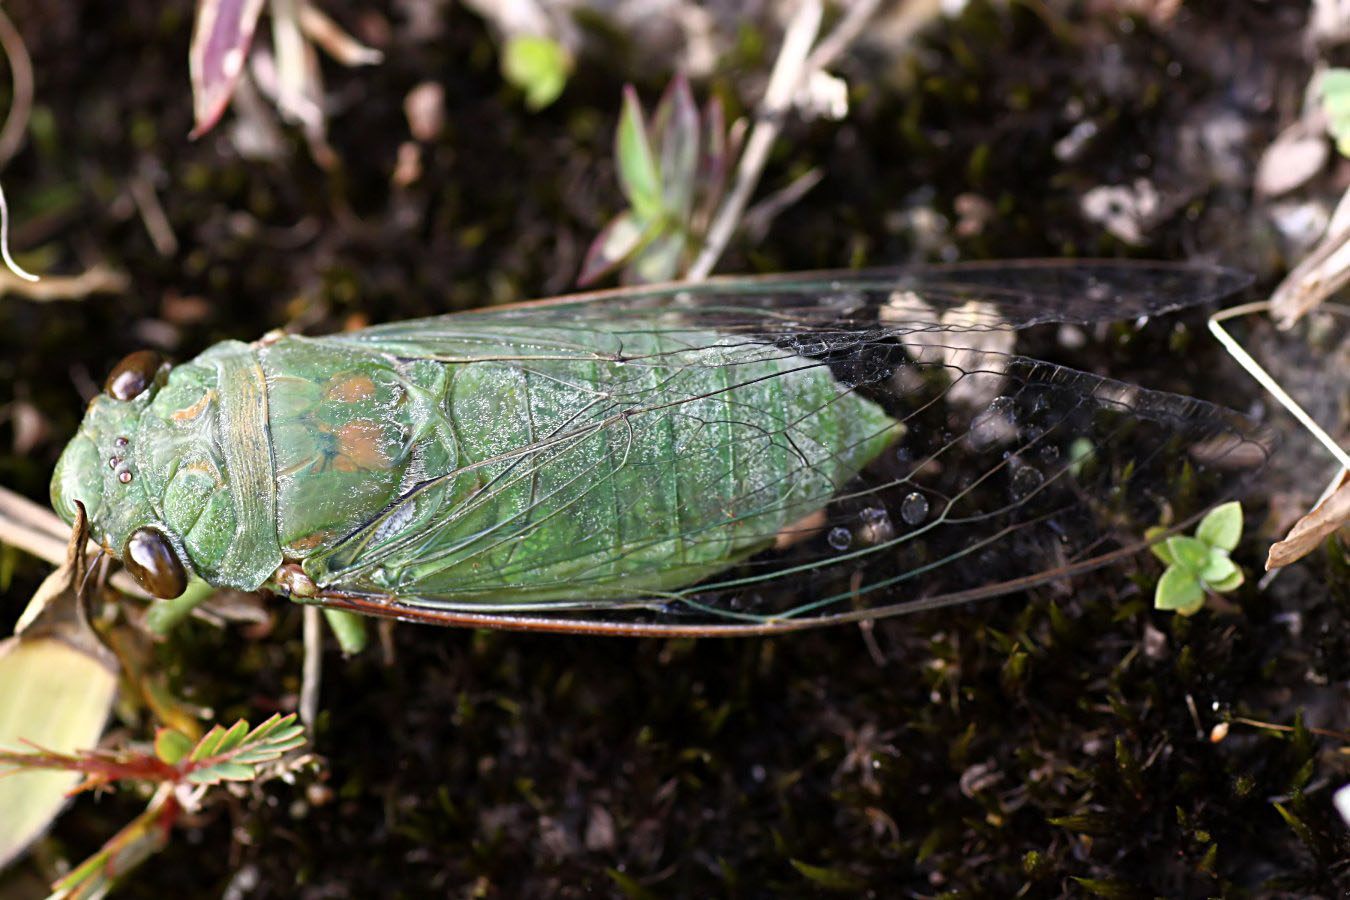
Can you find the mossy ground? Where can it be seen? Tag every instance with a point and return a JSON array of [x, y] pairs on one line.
[[1051, 743]]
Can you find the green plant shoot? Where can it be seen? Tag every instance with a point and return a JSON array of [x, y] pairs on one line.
[[182, 769], [538, 66], [1199, 564], [673, 174]]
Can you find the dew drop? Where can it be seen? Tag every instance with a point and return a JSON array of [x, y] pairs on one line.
[[124, 476], [1004, 406], [877, 526], [914, 508], [840, 538], [1025, 480]]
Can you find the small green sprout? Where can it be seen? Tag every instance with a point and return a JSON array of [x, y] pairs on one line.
[[538, 66], [1196, 565], [673, 173], [1335, 90]]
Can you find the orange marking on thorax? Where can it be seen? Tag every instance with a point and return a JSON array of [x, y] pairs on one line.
[[196, 409], [201, 465], [310, 541], [360, 446], [351, 389]]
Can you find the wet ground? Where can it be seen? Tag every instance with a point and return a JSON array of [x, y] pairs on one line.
[[1050, 743]]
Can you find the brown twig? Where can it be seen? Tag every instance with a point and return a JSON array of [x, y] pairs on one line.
[[21, 70], [1272, 726], [796, 61], [788, 74], [98, 279], [154, 218]]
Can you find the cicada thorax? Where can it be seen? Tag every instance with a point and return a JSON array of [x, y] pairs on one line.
[[255, 454], [203, 452]]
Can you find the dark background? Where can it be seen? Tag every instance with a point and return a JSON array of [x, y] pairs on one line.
[[1042, 743]]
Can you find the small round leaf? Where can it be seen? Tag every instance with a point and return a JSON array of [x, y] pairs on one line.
[[1190, 554], [1219, 568], [1231, 583], [1159, 547], [538, 66], [1222, 526], [171, 745], [1180, 591]]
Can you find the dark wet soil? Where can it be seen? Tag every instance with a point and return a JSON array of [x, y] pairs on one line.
[[1053, 743]]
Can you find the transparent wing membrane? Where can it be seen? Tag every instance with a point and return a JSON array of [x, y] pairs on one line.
[[989, 471]]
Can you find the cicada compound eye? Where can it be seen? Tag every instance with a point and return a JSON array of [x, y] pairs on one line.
[[154, 563], [133, 374]]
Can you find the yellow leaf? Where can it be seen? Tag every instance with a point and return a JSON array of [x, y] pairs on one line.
[[1326, 518], [57, 697]]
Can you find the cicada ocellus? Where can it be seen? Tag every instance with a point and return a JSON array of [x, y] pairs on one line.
[[740, 455]]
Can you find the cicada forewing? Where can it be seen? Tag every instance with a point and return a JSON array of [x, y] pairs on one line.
[[754, 455]]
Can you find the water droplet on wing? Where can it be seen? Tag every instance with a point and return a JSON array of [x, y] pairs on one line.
[[1025, 480], [840, 538], [914, 508], [877, 526]]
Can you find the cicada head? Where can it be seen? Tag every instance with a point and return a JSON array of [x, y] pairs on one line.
[[99, 469]]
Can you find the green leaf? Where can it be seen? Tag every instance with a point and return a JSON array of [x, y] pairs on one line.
[[348, 628], [222, 771], [233, 754], [1231, 583], [1188, 553], [1222, 526], [171, 745], [629, 886], [163, 615], [675, 131], [1159, 547], [1301, 828], [1180, 591], [1110, 888], [615, 243], [219, 740], [1081, 454], [1218, 568], [1086, 822], [658, 259], [1335, 88], [638, 174], [830, 879], [141, 838], [538, 66]]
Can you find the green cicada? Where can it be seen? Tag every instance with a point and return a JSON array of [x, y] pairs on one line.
[[740, 455]]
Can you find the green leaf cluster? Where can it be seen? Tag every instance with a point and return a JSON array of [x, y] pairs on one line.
[[1199, 564], [673, 173], [222, 754], [1335, 89], [538, 66], [230, 754]]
